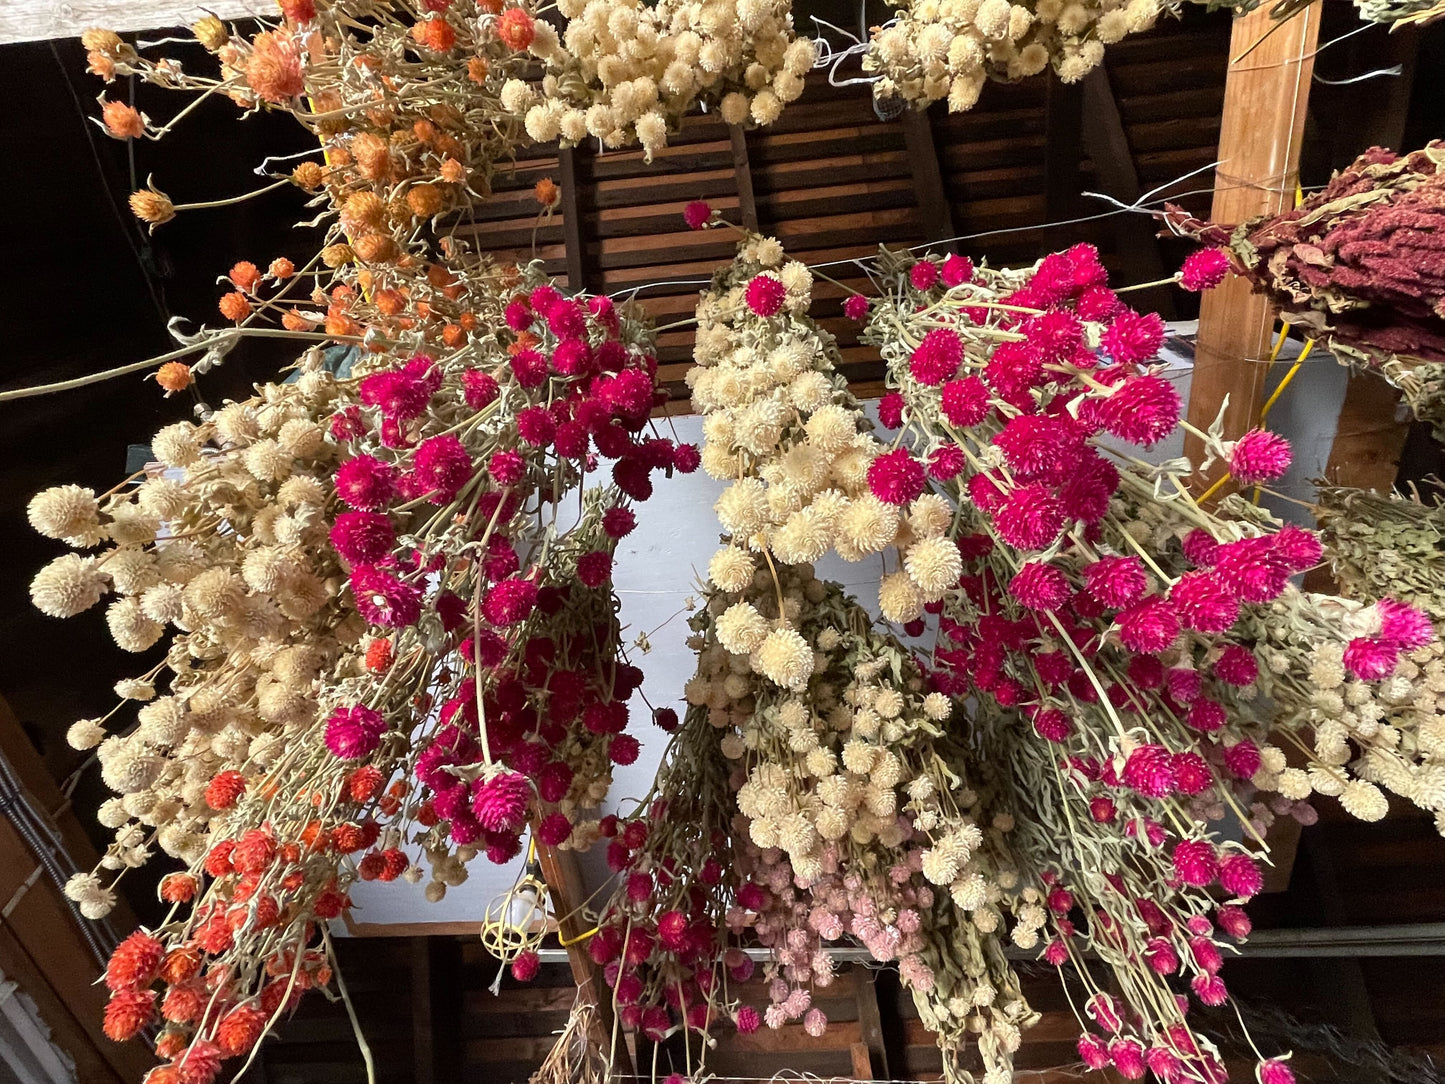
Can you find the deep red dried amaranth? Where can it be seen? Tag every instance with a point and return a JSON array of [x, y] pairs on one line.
[[1359, 264]]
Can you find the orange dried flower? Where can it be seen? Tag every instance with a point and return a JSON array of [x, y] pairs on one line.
[[134, 962], [378, 655], [347, 838], [163, 1074], [389, 303], [183, 1003], [281, 268], [362, 212], [364, 783], [452, 171], [376, 248], [372, 155], [339, 324], [334, 256], [101, 65], [178, 888], [234, 306], [122, 121], [292, 320], [468, 320], [245, 275], [152, 206], [436, 34], [255, 850], [127, 1013], [454, 335], [424, 130], [239, 1029], [171, 1042], [297, 11], [477, 69], [180, 964], [313, 836], [525, 341], [547, 192], [98, 40], [424, 200], [229, 785], [516, 29], [489, 7], [308, 175], [210, 32], [274, 68], [174, 376]]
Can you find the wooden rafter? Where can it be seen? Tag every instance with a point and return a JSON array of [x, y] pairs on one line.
[[743, 172], [571, 219], [932, 196]]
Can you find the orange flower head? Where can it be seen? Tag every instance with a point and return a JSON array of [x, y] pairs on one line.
[[334, 256], [152, 207], [174, 376], [183, 1003], [424, 130], [453, 335], [547, 192], [362, 212], [424, 200], [210, 32], [281, 269], [452, 171], [122, 121], [308, 175], [347, 838], [372, 155], [201, 1064], [234, 306], [376, 248], [227, 786], [239, 1029], [379, 655], [171, 1042], [340, 325], [100, 64], [389, 303], [292, 320], [127, 1013], [437, 34], [516, 29], [297, 11], [477, 69], [98, 40], [134, 962], [163, 1074], [178, 888], [274, 68], [489, 7], [254, 851], [180, 964], [245, 275]]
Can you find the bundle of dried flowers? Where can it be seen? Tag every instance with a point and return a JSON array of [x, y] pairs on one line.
[[936, 49], [375, 584], [1359, 265]]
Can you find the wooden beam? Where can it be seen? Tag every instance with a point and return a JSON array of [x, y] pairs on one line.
[[743, 172], [38, 20], [571, 219], [423, 1052], [1265, 98], [934, 210], [870, 1023], [862, 1066], [565, 887], [1107, 143], [1063, 148]]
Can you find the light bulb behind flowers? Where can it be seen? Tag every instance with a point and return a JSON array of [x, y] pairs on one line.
[[515, 925]]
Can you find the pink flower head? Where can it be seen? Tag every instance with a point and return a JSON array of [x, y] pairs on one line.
[[506, 467], [1030, 517], [1203, 603], [355, 732], [1132, 338], [956, 270], [1195, 862], [366, 483], [1164, 1064], [747, 1019], [529, 368], [362, 538], [946, 462], [855, 307], [1209, 989], [509, 602], [500, 803], [765, 294], [1242, 759], [618, 521], [1116, 582], [567, 319], [937, 357], [1370, 659], [1149, 770], [896, 477], [1161, 956], [1056, 953], [686, 458], [572, 357], [1204, 269], [1052, 724], [398, 394], [537, 426], [923, 274], [1128, 1057], [1297, 547], [1102, 810], [595, 568], [518, 315], [665, 719], [1093, 1050], [623, 749], [1191, 773], [442, 466], [1142, 410], [1236, 666], [815, 1023], [526, 966], [1259, 456], [1054, 336], [555, 829], [1239, 876], [1200, 548], [383, 599], [890, 410], [1104, 1011], [965, 402], [1040, 586], [1274, 1071], [697, 214], [1096, 304], [1234, 921], [1206, 715], [1403, 625], [1149, 626], [479, 389]]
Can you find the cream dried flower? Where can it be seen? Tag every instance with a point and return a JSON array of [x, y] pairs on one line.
[[899, 598], [64, 512], [785, 658], [67, 586], [741, 629], [1364, 801]]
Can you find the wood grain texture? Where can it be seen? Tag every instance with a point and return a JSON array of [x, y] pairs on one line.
[[1265, 98], [38, 20]]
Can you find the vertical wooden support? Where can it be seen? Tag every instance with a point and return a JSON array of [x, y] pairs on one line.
[[564, 885], [571, 219], [870, 1028], [1107, 143], [1063, 148], [933, 206], [1265, 97], [423, 1051], [743, 171]]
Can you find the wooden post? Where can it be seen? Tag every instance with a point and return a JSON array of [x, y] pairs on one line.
[[1265, 96], [564, 885], [571, 219], [743, 171], [933, 208]]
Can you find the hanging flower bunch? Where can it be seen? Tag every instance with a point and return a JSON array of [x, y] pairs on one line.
[[373, 583], [948, 49], [1358, 266], [1116, 639], [630, 71]]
